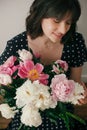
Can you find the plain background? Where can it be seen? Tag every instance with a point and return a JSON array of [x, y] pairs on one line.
[[12, 22]]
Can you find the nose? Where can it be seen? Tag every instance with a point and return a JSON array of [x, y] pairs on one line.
[[62, 28]]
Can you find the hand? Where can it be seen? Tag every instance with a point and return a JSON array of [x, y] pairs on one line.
[[1, 99], [84, 101], [4, 122]]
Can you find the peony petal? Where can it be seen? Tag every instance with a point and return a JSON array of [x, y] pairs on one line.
[[39, 67], [14, 68], [29, 65], [6, 70], [22, 73], [44, 76], [10, 61]]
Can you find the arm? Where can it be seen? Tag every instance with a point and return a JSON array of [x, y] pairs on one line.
[[76, 74], [13, 45]]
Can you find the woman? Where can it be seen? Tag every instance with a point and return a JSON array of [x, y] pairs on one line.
[[50, 33]]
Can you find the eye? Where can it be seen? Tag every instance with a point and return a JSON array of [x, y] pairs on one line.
[[56, 20], [68, 22]]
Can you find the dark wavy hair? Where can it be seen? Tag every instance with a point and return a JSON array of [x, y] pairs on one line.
[[51, 9]]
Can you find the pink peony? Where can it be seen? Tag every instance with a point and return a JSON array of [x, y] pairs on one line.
[[8, 67], [58, 64], [27, 69], [62, 88], [10, 61], [7, 70], [63, 64], [56, 69]]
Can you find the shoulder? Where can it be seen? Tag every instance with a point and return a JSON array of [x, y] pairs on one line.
[[76, 50], [78, 42], [78, 35], [78, 38], [13, 45], [18, 42], [22, 37]]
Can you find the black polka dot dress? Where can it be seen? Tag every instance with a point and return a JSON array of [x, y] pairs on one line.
[[74, 53]]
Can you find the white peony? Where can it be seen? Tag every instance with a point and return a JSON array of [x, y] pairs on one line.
[[31, 116], [5, 79], [77, 94], [24, 55], [7, 111], [43, 98], [25, 94], [36, 93]]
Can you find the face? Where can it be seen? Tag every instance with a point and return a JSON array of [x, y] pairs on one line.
[[55, 29]]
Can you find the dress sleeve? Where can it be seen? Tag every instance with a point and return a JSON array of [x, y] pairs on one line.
[[13, 45], [78, 51]]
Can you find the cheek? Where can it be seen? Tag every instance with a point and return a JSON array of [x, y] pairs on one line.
[[68, 28], [47, 28]]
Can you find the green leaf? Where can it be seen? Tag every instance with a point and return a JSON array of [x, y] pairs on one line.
[[76, 117], [65, 118]]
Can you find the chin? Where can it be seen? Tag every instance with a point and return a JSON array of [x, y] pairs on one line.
[[55, 40]]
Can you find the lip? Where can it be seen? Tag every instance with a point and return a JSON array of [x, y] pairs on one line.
[[58, 35]]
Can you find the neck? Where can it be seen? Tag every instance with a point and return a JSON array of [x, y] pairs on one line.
[[47, 50]]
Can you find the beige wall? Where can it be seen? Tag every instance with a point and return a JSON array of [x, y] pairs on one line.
[[12, 21], [82, 27]]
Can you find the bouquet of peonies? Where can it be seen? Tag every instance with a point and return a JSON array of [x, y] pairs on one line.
[[33, 89]]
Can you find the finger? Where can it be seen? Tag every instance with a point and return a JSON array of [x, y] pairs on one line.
[[83, 101], [80, 102], [2, 120], [3, 126]]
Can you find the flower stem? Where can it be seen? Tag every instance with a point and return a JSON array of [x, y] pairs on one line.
[[20, 126], [76, 117], [33, 128]]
